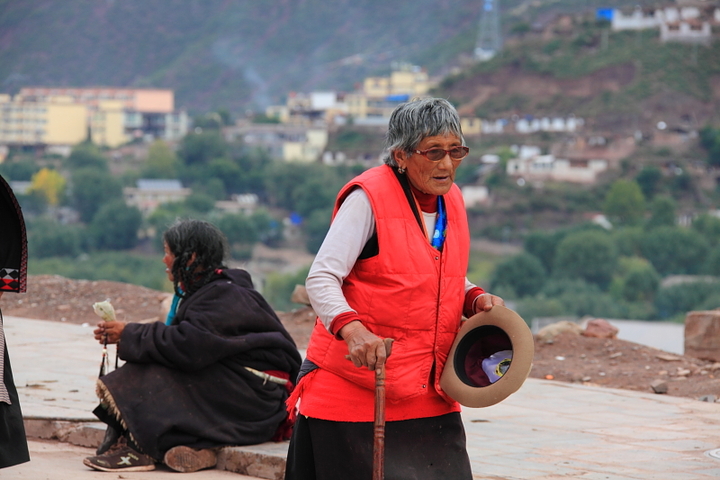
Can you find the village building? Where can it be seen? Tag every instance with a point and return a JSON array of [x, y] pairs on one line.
[[289, 142], [689, 23], [580, 160], [244, 203], [149, 194]]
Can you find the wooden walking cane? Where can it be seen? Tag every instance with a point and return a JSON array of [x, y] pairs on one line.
[[379, 426]]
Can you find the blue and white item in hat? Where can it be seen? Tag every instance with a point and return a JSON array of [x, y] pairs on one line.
[[497, 364]]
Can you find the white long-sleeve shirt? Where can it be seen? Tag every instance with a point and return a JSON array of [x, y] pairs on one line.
[[352, 227]]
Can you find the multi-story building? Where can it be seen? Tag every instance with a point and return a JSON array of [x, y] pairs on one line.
[[53, 122], [118, 115], [380, 95]]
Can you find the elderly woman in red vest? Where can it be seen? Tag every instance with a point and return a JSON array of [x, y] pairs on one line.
[[393, 265]]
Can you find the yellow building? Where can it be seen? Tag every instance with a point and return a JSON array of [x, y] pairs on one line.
[[471, 126], [306, 149], [380, 95], [52, 121], [107, 124], [119, 115], [406, 80]]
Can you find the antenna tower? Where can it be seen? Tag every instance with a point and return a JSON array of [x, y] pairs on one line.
[[489, 41]]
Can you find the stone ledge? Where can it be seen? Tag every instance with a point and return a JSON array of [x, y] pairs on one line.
[[266, 460], [81, 433]]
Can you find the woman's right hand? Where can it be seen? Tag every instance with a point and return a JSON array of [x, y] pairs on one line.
[[108, 332], [366, 349]]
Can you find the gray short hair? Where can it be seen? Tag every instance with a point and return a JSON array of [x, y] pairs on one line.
[[417, 119]]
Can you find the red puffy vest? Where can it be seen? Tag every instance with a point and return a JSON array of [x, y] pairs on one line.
[[410, 292]]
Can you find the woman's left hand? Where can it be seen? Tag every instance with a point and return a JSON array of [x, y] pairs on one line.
[[486, 301], [109, 331]]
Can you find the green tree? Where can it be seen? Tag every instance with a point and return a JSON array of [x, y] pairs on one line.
[[269, 229], [209, 122], [682, 183], [115, 226], [200, 148], [685, 297], [225, 116], [712, 266], [91, 189], [649, 180], [624, 202], [708, 226], [48, 238], [162, 161], [199, 202], [316, 227], [637, 280], [543, 245], [675, 250], [19, 170], [238, 228], [589, 255], [524, 273], [253, 163], [302, 188], [628, 240], [229, 173], [86, 155], [710, 141], [279, 287], [662, 213]]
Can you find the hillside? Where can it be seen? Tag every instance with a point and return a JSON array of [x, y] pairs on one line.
[[238, 55], [618, 82]]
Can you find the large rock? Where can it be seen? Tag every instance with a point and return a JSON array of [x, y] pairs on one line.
[[702, 335], [548, 333], [300, 295], [600, 328]]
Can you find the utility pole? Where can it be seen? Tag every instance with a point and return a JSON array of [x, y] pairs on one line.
[[489, 39]]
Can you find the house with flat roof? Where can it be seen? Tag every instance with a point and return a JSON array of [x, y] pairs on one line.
[[149, 194]]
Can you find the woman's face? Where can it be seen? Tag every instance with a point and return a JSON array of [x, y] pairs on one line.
[[168, 260], [434, 178]]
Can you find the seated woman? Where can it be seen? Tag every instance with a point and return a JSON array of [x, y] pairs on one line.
[[216, 373]]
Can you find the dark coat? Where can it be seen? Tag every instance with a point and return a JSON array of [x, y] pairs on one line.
[[186, 384], [13, 278]]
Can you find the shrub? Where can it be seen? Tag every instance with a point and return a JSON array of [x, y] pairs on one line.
[[524, 273]]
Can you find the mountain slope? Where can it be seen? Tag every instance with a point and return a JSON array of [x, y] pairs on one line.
[[620, 81], [238, 54]]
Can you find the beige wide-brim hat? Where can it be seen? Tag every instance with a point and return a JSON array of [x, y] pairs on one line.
[[485, 336]]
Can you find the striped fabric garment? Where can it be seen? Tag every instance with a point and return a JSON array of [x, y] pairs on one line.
[[4, 397]]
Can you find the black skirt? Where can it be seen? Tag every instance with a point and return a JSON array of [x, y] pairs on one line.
[[421, 449], [13, 443]]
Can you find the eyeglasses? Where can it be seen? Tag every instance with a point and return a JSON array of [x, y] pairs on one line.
[[437, 154]]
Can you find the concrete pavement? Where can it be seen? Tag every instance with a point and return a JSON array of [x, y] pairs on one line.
[[546, 431]]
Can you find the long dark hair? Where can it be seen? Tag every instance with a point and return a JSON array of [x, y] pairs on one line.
[[209, 245]]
